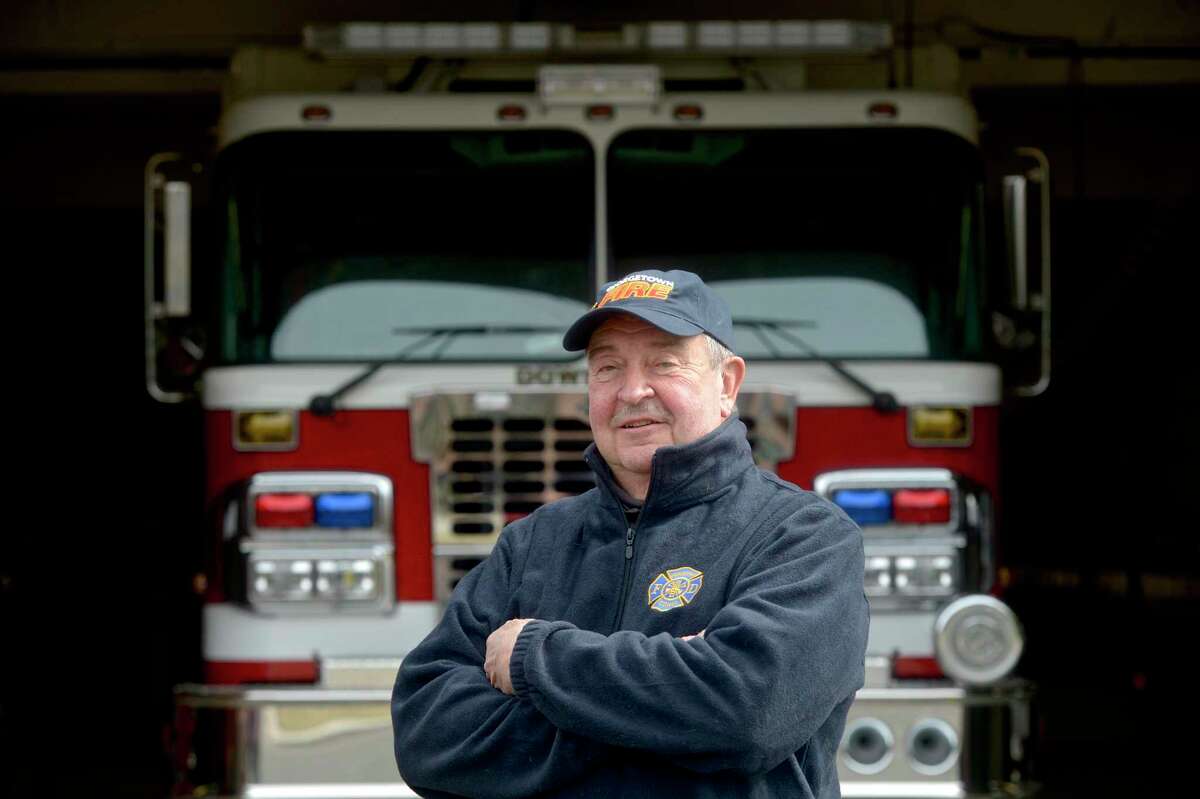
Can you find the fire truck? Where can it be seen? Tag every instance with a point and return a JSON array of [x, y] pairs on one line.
[[408, 216]]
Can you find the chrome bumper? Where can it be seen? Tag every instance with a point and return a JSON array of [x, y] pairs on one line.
[[985, 733], [285, 743], [321, 742]]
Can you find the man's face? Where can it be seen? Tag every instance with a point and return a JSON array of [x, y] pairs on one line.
[[649, 389]]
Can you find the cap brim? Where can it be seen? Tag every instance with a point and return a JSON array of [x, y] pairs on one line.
[[579, 334]]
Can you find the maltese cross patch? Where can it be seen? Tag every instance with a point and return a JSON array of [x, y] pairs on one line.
[[674, 588]]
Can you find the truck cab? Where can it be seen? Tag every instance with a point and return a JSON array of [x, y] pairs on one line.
[[384, 387]]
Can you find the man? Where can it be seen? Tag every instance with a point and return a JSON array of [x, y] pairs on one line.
[[692, 627]]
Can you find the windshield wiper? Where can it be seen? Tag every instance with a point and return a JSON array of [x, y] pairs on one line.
[[882, 401], [323, 404]]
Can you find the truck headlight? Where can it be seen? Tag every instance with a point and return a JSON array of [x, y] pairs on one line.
[[877, 575], [280, 580], [977, 639], [926, 575], [319, 579], [357, 580]]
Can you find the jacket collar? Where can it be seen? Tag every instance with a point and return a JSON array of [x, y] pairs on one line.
[[690, 473]]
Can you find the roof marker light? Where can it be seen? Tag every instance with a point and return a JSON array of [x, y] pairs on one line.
[[865, 506], [601, 113], [883, 110], [689, 113], [345, 510], [316, 113], [511, 113]]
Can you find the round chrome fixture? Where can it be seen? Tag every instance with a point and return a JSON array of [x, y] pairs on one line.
[[867, 746], [977, 639], [932, 747]]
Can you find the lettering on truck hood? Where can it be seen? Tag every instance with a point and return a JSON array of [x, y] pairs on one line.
[[551, 375]]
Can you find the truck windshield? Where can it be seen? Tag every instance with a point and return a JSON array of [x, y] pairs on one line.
[[344, 246], [863, 242]]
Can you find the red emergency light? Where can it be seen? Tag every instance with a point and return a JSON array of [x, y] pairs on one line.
[[921, 506], [907, 667], [283, 510]]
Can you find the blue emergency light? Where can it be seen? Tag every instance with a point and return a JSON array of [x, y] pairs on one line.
[[345, 510], [865, 506]]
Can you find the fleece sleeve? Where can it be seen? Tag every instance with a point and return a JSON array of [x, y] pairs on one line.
[[774, 662], [456, 735]]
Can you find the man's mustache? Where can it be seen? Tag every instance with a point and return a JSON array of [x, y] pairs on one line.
[[647, 408]]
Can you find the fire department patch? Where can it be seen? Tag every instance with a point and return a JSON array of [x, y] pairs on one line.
[[674, 588]]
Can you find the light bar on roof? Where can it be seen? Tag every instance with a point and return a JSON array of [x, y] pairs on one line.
[[529, 36], [726, 37], [667, 35]]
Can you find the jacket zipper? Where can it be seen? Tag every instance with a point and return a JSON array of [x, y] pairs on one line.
[[630, 532]]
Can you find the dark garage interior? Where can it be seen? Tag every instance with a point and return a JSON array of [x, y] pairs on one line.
[[98, 604]]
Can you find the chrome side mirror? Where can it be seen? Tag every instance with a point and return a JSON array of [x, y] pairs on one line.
[[1016, 230], [166, 241]]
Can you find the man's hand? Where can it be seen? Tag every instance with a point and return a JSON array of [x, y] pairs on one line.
[[499, 652]]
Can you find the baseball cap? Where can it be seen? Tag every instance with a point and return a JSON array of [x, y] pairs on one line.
[[674, 301]]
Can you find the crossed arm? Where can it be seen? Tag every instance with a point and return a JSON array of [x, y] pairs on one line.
[[770, 667], [499, 653], [456, 735]]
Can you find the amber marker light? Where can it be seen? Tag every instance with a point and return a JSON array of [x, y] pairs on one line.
[[265, 430], [939, 426]]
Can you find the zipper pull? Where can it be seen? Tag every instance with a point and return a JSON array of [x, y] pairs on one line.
[[629, 544]]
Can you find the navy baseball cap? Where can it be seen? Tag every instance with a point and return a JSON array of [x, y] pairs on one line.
[[674, 301]]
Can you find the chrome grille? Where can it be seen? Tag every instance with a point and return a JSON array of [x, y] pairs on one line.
[[495, 457], [498, 470]]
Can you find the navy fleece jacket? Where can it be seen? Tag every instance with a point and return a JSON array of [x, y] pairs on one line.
[[610, 701]]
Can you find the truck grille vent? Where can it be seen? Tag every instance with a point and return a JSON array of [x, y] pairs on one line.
[[503, 469], [491, 467]]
